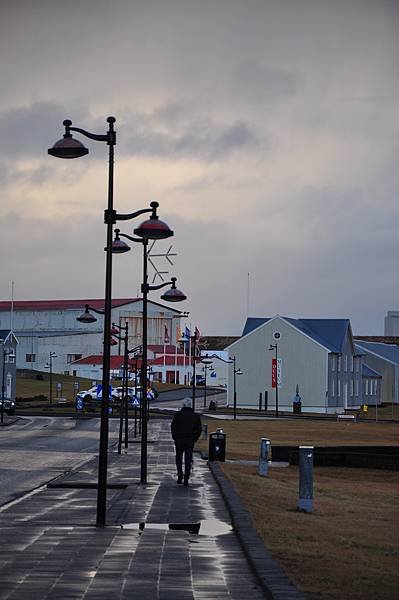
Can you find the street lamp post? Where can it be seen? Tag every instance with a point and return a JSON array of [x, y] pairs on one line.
[[171, 295], [235, 372], [275, 347], [49, 366], [193, 338], [208, 365], [116, 331], [6, 353], [69, 148]]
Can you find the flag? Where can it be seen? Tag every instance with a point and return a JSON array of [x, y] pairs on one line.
[[187, 333], [197, 333], [166, 338]]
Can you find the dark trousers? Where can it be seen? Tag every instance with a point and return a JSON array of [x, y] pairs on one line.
[[184, 447]]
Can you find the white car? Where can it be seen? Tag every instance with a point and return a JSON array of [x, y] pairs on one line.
[[91, 394]]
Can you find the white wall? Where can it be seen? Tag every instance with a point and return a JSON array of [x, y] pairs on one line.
[[304, 362]]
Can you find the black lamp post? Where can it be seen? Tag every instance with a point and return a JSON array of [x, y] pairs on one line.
[[235, 372], [123, 412], [208, 365], [9, 353], [193, 338], [171, 295], [275, 347], [49, 366]]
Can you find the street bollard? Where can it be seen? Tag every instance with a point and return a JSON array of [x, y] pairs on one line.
[[204, 435], [264, 456], [266, 398], [260, 400], [305, 502]]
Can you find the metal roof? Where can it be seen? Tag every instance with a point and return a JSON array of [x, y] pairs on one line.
[[387, 352], [369, 372], [330, 333], [62, 304]]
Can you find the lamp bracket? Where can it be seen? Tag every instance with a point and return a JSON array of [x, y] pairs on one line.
[[109, 216], [133, 215]]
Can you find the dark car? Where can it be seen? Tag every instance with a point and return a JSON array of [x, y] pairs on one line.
[[8, 406]]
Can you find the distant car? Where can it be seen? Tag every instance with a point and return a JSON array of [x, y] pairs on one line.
[[131, 392], [91, 394], [8, 406]]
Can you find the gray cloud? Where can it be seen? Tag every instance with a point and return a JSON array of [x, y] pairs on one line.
[[205, 140]]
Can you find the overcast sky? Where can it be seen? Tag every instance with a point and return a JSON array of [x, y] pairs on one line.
[[266, 129]]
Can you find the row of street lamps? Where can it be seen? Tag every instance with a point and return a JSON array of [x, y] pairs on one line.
[[151, 229]]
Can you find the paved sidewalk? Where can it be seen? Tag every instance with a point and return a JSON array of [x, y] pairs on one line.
[[51, 549]]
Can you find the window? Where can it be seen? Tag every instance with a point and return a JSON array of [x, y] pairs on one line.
[[333, 363], [332, 387], [357, 364], [367, 387], [351, 387], [345, 363], [339, 388], [30, 358], [352, 363], [339, 364]]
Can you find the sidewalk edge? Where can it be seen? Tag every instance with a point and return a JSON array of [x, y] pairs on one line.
[[271, 577]]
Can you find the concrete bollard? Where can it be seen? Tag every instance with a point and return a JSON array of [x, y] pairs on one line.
[[264, 456], [305, 502], [204, 435]]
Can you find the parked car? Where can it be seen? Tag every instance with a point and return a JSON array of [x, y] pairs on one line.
[[131, 392], [88, 396], [8, 406]]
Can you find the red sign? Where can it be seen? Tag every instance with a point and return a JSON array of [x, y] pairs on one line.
[[274, 372]]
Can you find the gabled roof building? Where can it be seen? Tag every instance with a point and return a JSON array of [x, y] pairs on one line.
[[44, 326], [316, 355]]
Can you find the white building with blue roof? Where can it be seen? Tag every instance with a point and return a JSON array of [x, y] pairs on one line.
[[384, 359], [316, 355]]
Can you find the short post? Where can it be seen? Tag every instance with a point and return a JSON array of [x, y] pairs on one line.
[[305, 502], [260, 400], [266, 398], [264, 457], [204, 435]]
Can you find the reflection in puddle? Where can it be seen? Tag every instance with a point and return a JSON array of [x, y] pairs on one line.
[[211, 527]]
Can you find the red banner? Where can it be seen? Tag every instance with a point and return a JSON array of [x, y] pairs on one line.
[[274, 372]]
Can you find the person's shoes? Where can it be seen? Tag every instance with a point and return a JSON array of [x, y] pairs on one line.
[[180, 479], [185, 482]]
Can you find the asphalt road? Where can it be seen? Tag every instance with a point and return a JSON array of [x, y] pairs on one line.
[[35, 450]]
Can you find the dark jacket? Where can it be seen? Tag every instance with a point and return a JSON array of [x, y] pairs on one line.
[[186, 425]]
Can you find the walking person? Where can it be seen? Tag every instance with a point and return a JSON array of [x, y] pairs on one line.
[[186, 429]]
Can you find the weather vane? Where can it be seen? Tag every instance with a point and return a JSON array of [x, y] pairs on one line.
[[166, 255]]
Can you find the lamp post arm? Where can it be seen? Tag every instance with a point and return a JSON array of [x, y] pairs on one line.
[[159, 286], [109, 137], [128, 237], [137, 213], [96, 310]]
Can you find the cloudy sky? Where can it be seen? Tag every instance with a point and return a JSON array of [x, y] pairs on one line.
[[266, 129]]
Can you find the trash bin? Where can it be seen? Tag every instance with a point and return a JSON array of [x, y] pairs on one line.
[[212, 405], [217, 446], [297, 406]]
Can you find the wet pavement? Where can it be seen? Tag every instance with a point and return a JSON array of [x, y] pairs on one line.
[[52, 550]]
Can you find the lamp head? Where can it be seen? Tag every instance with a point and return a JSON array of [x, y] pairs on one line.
[[67, 146], [173, 294], [86, 316], [118, 245], [153, 228]]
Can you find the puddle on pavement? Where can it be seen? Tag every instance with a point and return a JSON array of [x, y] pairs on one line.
[[211, 527]]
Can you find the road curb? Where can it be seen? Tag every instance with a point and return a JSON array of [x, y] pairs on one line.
[[272, 579]]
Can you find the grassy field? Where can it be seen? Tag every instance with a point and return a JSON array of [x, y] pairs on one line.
[[348, 547], [243, 437]]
